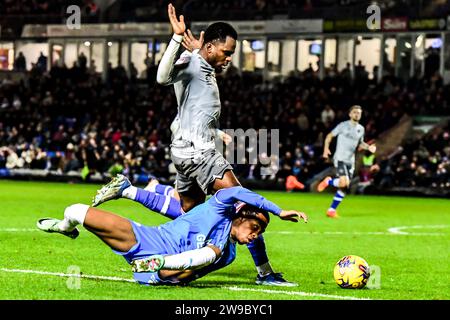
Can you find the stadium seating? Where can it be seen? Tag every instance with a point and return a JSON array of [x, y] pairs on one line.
[[70, 120]]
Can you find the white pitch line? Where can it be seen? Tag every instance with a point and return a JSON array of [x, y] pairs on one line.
[[398, 230], [68, 275], [75, 275], [360, 233], [297, 293], [18, 230], [290, 293]]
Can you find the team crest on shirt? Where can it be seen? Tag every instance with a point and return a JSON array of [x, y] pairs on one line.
[[184, 60], [220, 162]]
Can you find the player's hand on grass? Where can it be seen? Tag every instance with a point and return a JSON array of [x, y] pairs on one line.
[[293, 216], [190, 42], [178, 26], [372, 148]]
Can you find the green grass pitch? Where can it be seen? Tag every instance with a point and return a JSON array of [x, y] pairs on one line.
[[412, 260]]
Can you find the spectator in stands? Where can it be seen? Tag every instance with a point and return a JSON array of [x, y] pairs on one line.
[[361, 72], [69, 160], [93, 68], [346, 73], [82, 61], [41, 63], [327, 115], [133, 72], [20, 64]]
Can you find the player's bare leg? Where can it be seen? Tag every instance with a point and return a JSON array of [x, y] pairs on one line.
[[112, 229], [343, 186], [342, 183], [191, 198], [228, 180]]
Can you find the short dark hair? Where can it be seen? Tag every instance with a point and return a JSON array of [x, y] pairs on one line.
[[219, 31], [251, 212]]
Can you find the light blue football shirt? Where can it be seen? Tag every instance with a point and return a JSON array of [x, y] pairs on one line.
[[210, 223]]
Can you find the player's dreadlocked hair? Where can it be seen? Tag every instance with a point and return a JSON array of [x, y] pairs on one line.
[[219, 31], [252, 212]]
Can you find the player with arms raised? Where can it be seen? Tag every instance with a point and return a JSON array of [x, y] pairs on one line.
[[201, 169]]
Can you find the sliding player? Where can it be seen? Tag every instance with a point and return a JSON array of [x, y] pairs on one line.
[[181, 250]]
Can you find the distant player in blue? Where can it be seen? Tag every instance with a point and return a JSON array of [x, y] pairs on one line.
[[187, 248], [350, 137]]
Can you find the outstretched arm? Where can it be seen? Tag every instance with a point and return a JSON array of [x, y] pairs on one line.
[[192, 259], [365, 146], [166, 66], [229, 196]]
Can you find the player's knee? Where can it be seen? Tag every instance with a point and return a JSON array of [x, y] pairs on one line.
[[344, 182], [187, 205], [228, 180]]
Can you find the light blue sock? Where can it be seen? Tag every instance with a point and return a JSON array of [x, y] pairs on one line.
[[166, 205], [164, 190]]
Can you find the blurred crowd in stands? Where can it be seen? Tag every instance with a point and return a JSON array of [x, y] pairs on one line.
[[44, 7], [423, 163], [144, 10], [72, 120]]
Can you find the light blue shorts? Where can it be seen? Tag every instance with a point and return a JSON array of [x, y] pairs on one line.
[[148, 242]]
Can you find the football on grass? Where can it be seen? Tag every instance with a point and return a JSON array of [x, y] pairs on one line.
[[351, 272]]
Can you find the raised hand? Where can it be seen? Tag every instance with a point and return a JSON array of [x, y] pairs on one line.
[[293, 216], [178, 26], [190, 42], [227, 139]]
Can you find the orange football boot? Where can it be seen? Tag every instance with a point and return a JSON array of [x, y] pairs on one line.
[[331, 213], [293, 184], [323, 184]]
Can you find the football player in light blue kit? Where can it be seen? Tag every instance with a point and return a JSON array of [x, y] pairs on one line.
[[181, 250], [201, 169], [350, 137]]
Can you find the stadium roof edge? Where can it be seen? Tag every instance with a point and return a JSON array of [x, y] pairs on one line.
[[261, 27]]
